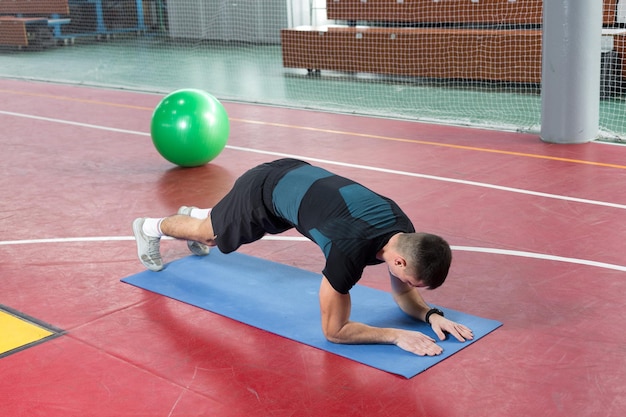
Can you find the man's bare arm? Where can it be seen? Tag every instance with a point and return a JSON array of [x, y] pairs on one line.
[[412, 303], [335, 312], [408, 299]]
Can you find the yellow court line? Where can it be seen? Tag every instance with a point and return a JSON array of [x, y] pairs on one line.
[[78, 100], [444, 145], [346, 133]]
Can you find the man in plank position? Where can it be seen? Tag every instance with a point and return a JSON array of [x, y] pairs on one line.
[[353, 226]]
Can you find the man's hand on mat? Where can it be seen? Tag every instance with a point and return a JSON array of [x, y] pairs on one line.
[[442, 325], [418, 343]]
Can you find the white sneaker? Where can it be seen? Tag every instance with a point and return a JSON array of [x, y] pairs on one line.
[[147, 247], [197, 248]]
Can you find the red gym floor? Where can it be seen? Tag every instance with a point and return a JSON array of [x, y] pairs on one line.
[[538, 234]]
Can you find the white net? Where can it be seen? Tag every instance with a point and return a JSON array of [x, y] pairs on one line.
[[468, 62]]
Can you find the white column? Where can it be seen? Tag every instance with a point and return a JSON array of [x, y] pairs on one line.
[[570, 75]]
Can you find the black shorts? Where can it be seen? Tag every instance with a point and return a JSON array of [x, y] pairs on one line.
[[246, 213]]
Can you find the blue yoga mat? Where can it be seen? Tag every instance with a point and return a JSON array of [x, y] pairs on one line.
[[284, 300]]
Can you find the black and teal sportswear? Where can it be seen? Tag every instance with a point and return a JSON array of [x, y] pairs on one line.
[[349, 222]]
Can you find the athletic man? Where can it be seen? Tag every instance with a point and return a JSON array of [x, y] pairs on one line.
[[353, 226]]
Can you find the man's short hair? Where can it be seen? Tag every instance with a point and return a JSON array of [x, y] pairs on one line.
[[428, 255]]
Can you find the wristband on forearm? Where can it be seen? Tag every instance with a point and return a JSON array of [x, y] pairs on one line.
[[431, 312]]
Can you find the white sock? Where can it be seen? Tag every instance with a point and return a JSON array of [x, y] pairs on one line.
[[198, 213], [152, 227]]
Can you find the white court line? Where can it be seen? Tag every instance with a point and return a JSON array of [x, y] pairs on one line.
[[493, 251], [443, 179], [68, 122], [542, 256], [348, 165]]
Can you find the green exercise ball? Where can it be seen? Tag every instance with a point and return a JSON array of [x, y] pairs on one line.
[[189, 127]]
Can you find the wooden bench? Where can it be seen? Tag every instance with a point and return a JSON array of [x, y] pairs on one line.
[[491, 12], [31, 23], [16, 31], [485, 54], [459, 39], [34, 7], [619, 46]]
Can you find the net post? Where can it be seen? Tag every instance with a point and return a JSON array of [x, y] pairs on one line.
[[571, 53]]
